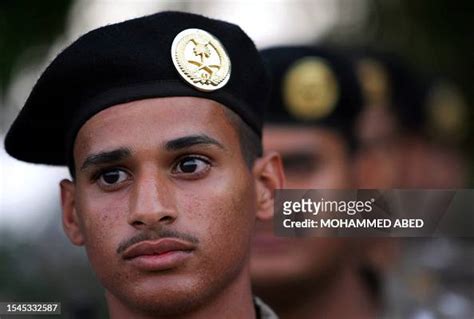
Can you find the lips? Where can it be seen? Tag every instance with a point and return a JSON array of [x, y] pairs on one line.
[[159, 247], [160, 255]]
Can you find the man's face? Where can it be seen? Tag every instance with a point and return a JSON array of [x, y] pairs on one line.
[[312, 158], [164, 201]]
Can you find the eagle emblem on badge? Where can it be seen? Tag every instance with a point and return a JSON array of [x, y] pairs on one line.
[[201, 59]]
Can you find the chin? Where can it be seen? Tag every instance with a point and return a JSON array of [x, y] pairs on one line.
[[169, 303], [162, 297]]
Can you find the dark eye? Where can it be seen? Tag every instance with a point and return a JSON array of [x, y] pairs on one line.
[[112, 177], [191, 165]]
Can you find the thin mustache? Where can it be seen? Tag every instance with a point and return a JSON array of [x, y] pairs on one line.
[[154, 235]]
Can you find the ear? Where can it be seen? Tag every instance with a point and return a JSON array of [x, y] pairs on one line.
[[70, 219], [269, 175]]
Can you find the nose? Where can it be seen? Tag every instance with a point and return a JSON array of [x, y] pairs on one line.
[[151, 203]]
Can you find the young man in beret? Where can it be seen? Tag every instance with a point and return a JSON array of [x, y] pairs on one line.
[[159, 120], [310, 120]]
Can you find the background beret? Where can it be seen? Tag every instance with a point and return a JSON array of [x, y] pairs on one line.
[[348, 103], [405, 88], [124, 62]]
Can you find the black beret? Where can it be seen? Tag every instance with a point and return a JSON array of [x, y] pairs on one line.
[[313, 86], [405, 88], [124, 62], [445, 111]]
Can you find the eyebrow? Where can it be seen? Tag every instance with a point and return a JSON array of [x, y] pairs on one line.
[[106, 157], [177, 144], [191, 140]]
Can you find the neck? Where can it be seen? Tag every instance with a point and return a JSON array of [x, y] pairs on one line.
[[234, 301], [344, 296]]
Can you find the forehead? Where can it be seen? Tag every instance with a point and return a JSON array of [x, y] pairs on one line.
[[286, 139], [153, 120]]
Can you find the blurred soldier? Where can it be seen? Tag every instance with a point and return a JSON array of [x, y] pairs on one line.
[[315, 101], [408, 126], [377, 128], [442, 130], [389, 115], [433, 159], [418, 145]]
